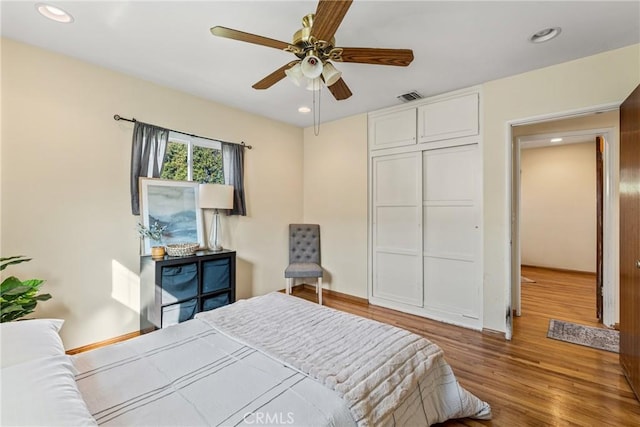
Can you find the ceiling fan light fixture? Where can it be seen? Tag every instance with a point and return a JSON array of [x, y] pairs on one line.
[[314, 84], [295, 75], [330, 74], [311, 66]]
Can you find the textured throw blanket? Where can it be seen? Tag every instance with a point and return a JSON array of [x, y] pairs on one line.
[[372, 365]]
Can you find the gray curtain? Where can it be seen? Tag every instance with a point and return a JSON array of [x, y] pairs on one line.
[[148, 147], [233, 166]]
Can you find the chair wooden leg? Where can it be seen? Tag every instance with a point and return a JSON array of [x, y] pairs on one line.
[[288, 286], [319, 290]]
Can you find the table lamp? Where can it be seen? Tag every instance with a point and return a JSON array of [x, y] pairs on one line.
[[216, 197]]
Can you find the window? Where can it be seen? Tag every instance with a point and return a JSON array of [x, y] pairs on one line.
[[192, 159]]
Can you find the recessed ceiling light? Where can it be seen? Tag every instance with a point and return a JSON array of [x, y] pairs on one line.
[[304, 110], [54, 13], [545, 35], [556, 139]]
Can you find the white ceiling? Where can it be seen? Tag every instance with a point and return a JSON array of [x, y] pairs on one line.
[[455, 44]]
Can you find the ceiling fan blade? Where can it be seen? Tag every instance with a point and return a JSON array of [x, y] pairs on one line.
[[365, 55], [248, 37], [273, 78], [340, 90], [329, 15]]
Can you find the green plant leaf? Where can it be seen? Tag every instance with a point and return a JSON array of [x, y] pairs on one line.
[[5, 262], [12, 316], [18, 298], [3, 259], [11, 308], [30, 306], [18, 290], [34, 283], [9, 283]]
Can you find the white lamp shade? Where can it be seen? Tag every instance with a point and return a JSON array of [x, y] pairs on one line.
[[314, 84], [330, 74], [215, 196], [311, 67], [295, 75]]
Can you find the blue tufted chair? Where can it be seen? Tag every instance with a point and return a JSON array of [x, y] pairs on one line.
[[304, 255]]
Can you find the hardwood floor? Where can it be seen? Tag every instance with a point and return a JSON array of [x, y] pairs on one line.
[[531, 380]]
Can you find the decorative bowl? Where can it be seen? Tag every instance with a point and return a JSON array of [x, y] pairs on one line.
[[182, 249]]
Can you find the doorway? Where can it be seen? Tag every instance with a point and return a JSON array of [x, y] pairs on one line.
[[572, 130], [558, 209]]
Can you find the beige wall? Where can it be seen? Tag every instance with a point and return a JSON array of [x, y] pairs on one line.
[[64, 185], [335, 196], [605, 78], [558, 207]]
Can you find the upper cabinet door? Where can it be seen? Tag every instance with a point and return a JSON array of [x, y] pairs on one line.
[[392, 129], [448, 119]]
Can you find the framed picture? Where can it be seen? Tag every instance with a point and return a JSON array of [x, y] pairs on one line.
[[173, 204]]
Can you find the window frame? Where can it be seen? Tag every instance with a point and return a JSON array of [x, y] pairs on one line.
[[192, 141]]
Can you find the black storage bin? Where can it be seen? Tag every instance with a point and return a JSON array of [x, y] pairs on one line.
[[179, 283], [215, 275], [210, 303]]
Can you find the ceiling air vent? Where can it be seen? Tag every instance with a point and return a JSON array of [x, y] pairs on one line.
[[411, 96]]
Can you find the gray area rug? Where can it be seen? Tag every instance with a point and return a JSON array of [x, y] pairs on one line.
[[603, 339]]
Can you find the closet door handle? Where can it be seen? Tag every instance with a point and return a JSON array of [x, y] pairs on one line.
[[638, 263]]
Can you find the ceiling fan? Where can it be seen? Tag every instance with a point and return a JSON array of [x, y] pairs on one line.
[[314, 47]]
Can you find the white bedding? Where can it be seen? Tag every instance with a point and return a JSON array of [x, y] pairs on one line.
[[191, 375], [201, 373], [373, 366]]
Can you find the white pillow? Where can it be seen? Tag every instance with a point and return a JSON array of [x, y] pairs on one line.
[[42, 392], [26, 340]]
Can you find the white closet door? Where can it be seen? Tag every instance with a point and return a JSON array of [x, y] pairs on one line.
[[393, 129], [396, 218], [451, 236], [451, 118]]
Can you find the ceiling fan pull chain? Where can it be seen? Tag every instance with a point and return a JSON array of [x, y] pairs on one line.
[[316, 125]]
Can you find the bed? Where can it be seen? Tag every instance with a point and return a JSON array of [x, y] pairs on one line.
[[268, 360]]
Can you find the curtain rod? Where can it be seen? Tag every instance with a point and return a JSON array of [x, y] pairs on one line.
[[116, 117]]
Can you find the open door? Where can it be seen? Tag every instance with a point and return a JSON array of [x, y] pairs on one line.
[[630, 239]]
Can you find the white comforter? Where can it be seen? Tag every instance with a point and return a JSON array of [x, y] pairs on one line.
[[373, 366], [273, 360]]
